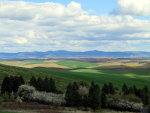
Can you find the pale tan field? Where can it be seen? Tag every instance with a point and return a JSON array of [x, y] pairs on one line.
[[48, 64]]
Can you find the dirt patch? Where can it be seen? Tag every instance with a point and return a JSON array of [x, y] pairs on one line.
[[39, 108]]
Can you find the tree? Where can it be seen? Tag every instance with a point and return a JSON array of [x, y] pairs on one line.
[[111, 88], [94, 97], [125, 89], [39, 85], [72, 96], [11, 84], [4, 87], [145, 95], [105, 89], [33, 82], [52, 86], [104, 100], [22, 80], [46, 85]]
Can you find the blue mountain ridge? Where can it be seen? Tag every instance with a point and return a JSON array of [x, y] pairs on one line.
[[69, 54]]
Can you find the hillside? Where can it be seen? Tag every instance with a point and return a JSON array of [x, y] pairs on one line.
[[101, 76]]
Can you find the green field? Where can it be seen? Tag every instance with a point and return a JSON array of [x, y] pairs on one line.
[[100, 76], [76, 64]]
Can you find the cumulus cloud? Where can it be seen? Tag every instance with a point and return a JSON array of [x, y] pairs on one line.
[[20, 40], [133, 7], [27, 26]]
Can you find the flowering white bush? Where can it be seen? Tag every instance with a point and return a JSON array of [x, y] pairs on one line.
[[25, 92], [121, 104], [28, 93], [48, 98]]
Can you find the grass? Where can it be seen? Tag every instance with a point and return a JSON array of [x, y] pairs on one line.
[[76, 64], [117, 77], [79, 73]]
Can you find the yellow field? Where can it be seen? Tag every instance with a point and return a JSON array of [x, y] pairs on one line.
[[48, 64]]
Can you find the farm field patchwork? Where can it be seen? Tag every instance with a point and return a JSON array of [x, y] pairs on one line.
[[78, 71]]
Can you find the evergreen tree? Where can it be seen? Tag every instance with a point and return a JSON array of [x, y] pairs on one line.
[[68, 95], [135, 90], [16, 83], [22, 80], [145, 95], [94, 96], [125, 89], [76, 96], [39, 85], [104, 100], [4, 86], [105, 89], [46, 86], [52, 86], [33, 82], [111, 88], [72, 95], [131, 90]]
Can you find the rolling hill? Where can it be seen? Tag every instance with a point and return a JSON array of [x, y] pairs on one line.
[[99, 76]]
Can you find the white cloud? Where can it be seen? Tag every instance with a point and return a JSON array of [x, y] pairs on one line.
[[138, 35], [20, 40], [133, 7], [27, 26]]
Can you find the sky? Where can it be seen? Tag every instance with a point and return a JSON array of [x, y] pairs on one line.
[[78, 25]]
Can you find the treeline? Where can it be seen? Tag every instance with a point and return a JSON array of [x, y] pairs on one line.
[[46, 84], [11, 84], [81, 94], [141, 93]]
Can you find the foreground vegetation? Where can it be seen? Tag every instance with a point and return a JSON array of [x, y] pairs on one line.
[[78, 94], [123, 88]]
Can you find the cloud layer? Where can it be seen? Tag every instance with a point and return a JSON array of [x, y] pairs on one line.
[[27, 26], [133, 7]]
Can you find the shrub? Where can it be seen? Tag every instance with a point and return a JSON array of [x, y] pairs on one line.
[[18, 100], [132, 98], [124, 105], [48, 98], [25, 92]]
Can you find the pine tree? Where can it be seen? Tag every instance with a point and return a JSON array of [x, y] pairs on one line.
[[52, 85], [46, 86], [16, 83], [105, 89], [22, 80], [104, 100], [125, 89], [4, 87], [94, 96], [68, 95], [72, 96], [33, 82], [76, 96], [145, 95], [111, 88], [39, 85]]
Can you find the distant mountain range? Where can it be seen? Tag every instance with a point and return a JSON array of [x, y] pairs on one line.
[[69, 54]]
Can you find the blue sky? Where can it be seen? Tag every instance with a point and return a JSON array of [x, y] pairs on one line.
[[98, 6], [78, 25]]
